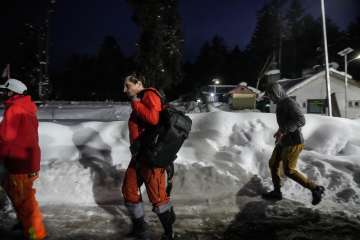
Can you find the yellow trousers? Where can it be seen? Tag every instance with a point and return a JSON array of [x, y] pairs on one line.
[[288, 156]]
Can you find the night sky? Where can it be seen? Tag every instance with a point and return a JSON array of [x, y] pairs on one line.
[[80, 26]]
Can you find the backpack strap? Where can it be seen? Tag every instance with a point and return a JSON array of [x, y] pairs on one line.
[[142, 93], [170, 169]]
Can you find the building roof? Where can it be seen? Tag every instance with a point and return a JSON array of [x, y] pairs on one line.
[[291, 85], [241, 89], [229, 89]]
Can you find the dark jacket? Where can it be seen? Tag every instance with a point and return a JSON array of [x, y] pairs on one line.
[[288, 115]]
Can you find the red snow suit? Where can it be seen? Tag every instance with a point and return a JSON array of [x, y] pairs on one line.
[[20, 152], [145, 111], [19, 188], [19, 141]]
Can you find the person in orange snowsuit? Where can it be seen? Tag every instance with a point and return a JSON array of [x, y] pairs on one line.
[[146, 106], [20, 154]]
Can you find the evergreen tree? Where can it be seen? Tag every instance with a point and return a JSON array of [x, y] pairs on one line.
[[303, 44], [311, 42], [266, 40], [293, 45], [211, 62], [75, 83], [109, 70], [235, 67], [353, 36], [159, 55], [25, 42], [336, 41], [98, 77]]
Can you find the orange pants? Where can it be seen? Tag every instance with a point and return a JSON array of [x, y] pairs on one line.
[[19, 188], [155, 183]]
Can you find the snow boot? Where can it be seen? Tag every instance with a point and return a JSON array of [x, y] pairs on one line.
[[317, 194], [139, 230], [274, 195], [167, 219]]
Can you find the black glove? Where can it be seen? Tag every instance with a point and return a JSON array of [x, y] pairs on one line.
[[135, 147], [133, 98]]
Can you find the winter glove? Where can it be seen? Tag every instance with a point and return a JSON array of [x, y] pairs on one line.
[[135, 147], [134, 98], [278, 136]]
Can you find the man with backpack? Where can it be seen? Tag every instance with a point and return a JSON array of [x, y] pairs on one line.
[[146, 108], [289, 144]]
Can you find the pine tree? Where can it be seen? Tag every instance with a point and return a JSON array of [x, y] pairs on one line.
[[303, 44], [99, 77], [235, 67], [311, 42], [266, 40], [159, 55], [110, 66], [293, 45], [25, 44], [353, 36], [211, 62]]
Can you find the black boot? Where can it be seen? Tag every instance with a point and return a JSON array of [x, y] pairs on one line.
[[167, 219], [139, 229], [317, 194], [274, 195]]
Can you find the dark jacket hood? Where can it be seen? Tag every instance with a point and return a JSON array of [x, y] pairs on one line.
[[275, 92]]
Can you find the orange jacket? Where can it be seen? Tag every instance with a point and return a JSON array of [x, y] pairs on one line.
[[145, 111], [19, 141]]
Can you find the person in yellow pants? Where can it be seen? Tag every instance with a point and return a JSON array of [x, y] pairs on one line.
[[20, 155], [289, 144]]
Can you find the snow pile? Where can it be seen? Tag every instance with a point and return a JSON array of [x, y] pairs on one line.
[[84, 163]]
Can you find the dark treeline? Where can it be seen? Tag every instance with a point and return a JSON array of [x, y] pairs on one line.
[[285, 35], [93, 77], [24, 42]]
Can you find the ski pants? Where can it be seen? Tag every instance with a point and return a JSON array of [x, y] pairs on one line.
[[19, 188], [288, 155], [155, 183]]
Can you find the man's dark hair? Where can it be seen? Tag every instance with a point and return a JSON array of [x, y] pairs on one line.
[[135, 77]]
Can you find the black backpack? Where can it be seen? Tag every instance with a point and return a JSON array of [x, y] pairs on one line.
[[159, 144]]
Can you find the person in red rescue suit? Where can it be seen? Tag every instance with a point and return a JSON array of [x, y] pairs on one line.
[[146, 106], [20, 154]]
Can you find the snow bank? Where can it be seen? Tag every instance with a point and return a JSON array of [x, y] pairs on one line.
[[84, 163]]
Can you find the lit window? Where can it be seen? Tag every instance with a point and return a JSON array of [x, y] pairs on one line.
[[316, 106]]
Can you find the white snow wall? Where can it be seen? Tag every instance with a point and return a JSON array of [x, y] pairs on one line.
[[83, 163]]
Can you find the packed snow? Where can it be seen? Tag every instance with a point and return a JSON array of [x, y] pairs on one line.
[[220, 170], [223, 151]]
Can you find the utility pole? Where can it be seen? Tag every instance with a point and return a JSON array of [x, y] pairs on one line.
[[327, 70]]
